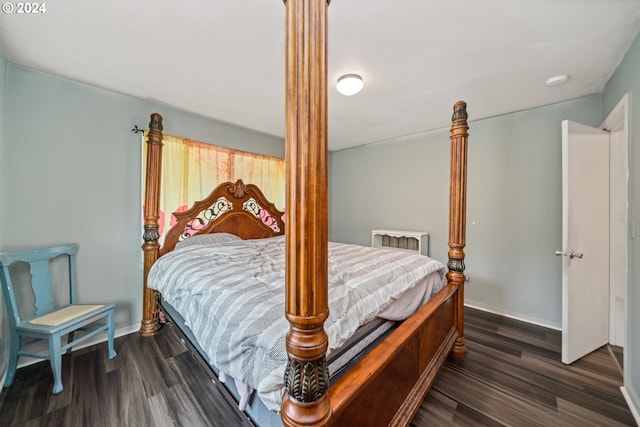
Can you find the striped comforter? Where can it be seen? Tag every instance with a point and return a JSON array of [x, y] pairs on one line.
[[231, 295]]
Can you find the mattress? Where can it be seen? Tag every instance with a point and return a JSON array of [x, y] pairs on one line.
[[231, 295]]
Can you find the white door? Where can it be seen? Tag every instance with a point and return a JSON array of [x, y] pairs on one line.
[[585, 240]]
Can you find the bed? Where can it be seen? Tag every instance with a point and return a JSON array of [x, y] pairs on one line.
[[230, 293], [386, 385]]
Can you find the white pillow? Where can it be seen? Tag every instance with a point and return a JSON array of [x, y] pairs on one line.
[[208, 239]]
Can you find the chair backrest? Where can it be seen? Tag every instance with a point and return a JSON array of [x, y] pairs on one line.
[[40, 270]]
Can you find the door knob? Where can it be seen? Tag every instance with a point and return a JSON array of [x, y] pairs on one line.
[[570, 254]]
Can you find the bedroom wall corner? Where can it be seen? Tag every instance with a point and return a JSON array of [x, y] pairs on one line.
[[4, 322], [625, 80], [3, 157]]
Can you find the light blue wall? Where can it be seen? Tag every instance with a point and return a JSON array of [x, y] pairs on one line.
[[514, 202], [627, 80], [73, 175], [3, 168], [4, 322]]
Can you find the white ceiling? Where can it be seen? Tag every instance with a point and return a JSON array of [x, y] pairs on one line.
[[225, 58]]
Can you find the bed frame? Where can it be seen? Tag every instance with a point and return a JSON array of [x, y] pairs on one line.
[[388, 385]]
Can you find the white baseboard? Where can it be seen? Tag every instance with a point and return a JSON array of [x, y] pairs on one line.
[[516, 316], [125, 330], [634, 403]]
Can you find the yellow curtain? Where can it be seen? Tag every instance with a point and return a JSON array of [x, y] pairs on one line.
[[192, 169]]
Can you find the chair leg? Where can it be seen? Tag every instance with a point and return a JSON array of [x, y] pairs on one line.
[[13, 359], [70, 339], [55, 356], [111, 335]]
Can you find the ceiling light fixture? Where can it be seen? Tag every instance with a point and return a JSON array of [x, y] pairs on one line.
[[350, 84], [557, 80]]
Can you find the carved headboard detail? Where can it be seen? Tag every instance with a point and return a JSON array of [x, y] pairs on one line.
[[236, 208]]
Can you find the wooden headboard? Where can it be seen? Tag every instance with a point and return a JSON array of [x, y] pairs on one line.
[[236, 208]]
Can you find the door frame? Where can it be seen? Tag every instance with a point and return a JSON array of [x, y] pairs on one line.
[[618, 122]]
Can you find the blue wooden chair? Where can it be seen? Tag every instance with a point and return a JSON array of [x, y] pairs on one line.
[[50, 322]]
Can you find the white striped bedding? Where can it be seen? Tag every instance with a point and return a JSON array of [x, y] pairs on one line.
[[231, 296]]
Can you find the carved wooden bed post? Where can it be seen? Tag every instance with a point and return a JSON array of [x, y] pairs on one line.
[[150, 324], [306, 303], [457, 214]]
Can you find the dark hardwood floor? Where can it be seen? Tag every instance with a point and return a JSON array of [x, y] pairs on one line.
[[512, 376]]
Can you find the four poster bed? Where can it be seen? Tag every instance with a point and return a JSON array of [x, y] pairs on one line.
[[383, 384]]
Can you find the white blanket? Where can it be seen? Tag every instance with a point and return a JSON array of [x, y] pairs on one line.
[[231, 296]]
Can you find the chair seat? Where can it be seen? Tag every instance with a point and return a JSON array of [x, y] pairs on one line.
[[64, 317]]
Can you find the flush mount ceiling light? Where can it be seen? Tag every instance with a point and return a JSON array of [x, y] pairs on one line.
[[557, 80], [350, 84]]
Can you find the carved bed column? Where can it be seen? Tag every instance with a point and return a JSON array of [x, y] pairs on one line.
[[150, 324], [457, 215], [307, 379]]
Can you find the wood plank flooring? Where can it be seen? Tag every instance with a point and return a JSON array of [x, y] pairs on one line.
[[152, 381], [511, 376]]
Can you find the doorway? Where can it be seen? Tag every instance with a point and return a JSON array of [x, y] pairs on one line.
[[593, 315]]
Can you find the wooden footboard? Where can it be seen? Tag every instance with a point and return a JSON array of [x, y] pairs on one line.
[[388, 385]]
